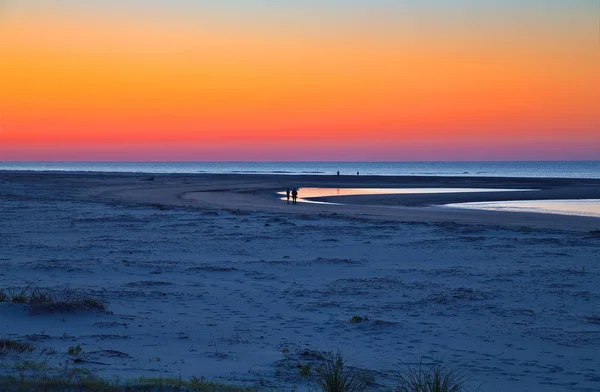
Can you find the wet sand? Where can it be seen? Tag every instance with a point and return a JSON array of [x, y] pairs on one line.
[[258, 193]]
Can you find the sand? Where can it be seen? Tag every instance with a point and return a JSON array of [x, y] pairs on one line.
[[212, 275]]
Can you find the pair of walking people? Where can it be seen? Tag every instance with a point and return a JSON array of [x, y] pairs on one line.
[[293, 193]]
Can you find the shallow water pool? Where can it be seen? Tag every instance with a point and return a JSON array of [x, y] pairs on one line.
[[583, 207], [308, 193]]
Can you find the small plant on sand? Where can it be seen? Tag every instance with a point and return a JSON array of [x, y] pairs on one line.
[[305, 370], [359, 319], [334, 376], [432, 378], [75, 350]]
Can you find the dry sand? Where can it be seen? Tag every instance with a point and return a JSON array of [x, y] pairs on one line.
[[212, 275]]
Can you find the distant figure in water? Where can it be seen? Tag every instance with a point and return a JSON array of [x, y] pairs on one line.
[[294, 195], [287, 193], [357, 173], [338, 172]]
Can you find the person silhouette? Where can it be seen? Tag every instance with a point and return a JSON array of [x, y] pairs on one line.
[[287, 193], [294, 195], [338, 173]]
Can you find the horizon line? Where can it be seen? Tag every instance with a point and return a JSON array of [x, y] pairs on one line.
[[303, 161]]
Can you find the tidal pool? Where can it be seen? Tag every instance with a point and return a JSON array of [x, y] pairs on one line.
[[581, 207], [308, 193]]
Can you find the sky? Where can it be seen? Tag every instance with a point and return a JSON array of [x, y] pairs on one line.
[[276, 80]]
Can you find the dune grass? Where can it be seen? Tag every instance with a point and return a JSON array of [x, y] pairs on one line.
[[432, 378], [14, 346], [47, 301], [32, 374], [84, 380], [334, 376], [330, 374]]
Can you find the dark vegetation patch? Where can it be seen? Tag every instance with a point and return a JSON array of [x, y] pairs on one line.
[[359, 319], [75, 350], [81, 379], [42, 301], [14, 346]]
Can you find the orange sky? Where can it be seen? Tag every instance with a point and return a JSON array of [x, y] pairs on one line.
[[176, 87]]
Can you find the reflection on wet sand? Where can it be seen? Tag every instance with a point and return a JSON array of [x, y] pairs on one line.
[[305, 194], [583, 207]]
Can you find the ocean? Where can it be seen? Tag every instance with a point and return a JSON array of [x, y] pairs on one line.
[[538, 169]]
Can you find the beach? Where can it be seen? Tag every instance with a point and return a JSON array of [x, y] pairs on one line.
[[214, 276]]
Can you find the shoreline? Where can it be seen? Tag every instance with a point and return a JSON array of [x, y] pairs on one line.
[[312, 175], [589, 169], [257, 193]]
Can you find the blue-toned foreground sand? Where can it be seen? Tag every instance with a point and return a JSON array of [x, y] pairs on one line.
[[215, 276]]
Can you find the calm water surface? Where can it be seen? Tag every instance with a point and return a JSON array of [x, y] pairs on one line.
[[554, 169], [307, 193], [587, 207]]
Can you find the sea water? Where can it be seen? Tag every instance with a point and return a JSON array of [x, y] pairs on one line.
[[539, 169], [583, 207]]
